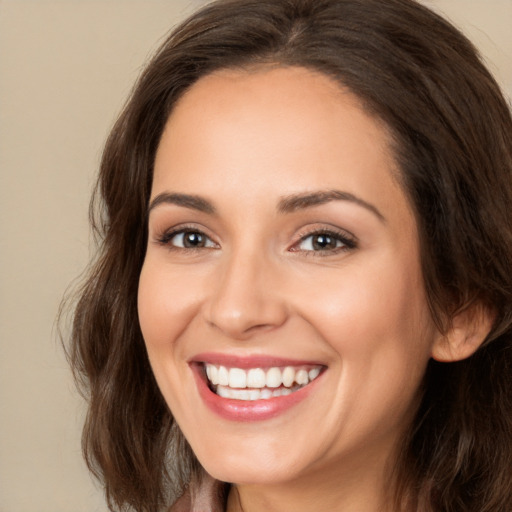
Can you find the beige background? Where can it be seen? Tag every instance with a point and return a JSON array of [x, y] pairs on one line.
[[65, 68]]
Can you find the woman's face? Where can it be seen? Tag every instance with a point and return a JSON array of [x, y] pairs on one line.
[[283, 259]]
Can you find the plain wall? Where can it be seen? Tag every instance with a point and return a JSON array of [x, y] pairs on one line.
[[66, 67]]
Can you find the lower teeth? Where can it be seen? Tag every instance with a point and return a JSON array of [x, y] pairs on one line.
[[253, 394]]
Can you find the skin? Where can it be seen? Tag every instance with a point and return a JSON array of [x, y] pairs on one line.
[[243, 141]]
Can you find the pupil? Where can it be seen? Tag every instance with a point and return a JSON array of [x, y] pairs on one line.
[[324, 242], [193, 240]]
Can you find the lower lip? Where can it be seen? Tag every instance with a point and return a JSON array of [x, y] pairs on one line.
[[252, 410]]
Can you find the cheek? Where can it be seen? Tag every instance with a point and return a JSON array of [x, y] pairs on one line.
[[167, 302], [378, 328], [374, 315], [166, 306]]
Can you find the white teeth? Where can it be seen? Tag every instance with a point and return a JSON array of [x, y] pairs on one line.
[[243, 394], [274, 379], [237, 378], [302, 377], [223, 376], [258, 384], [224, 392], [288, 376], [212, 372], [253, 394], [265, 394], [314, 373], [256, 378]]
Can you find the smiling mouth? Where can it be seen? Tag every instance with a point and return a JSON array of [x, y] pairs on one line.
[[259, 383]]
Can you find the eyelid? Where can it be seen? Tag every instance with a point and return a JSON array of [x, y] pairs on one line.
[[165, 236], [348, 240]]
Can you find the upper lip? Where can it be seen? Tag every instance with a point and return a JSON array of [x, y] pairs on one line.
[[250, 361]]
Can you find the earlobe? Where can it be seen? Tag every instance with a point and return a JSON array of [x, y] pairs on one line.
[[465, 335]]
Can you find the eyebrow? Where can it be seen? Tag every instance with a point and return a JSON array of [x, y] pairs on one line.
[[296, 202], [288, 204], [186, 200]]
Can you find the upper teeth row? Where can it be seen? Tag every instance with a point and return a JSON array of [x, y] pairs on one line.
[[260, 378]]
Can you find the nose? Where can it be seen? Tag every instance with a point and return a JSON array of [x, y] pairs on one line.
[[247, 297]]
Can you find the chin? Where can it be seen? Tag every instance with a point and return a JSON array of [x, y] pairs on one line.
[[256, 474], [256, 466]]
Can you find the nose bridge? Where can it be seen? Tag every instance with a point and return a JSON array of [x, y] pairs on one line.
[[246, 298]]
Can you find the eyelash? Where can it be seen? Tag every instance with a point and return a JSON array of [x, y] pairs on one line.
[[167, 236], [348, 242]]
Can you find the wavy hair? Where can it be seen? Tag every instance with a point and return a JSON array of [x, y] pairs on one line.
[[452, 140]]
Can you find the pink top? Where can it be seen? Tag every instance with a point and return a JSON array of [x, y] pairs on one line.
[[202, 496]]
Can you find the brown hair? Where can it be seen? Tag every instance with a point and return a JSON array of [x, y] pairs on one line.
[[452, 134]]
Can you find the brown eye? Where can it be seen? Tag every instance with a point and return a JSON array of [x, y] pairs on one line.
[[325, 242], [190, 240], [321, 242]]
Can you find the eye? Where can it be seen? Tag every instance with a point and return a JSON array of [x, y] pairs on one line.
[[187, 239], [324, 241]]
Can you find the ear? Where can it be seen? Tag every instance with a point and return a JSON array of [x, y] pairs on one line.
[[467, 331]]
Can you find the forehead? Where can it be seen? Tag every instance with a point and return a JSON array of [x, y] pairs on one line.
[[292, 128], [270, 95]]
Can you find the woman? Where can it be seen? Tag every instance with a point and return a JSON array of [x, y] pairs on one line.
[[302, 299]]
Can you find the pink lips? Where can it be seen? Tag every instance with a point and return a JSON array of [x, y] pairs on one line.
[[249, 361], [247, 411]]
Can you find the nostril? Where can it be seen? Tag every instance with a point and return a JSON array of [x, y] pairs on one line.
[[243, 322], [241, 302]]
